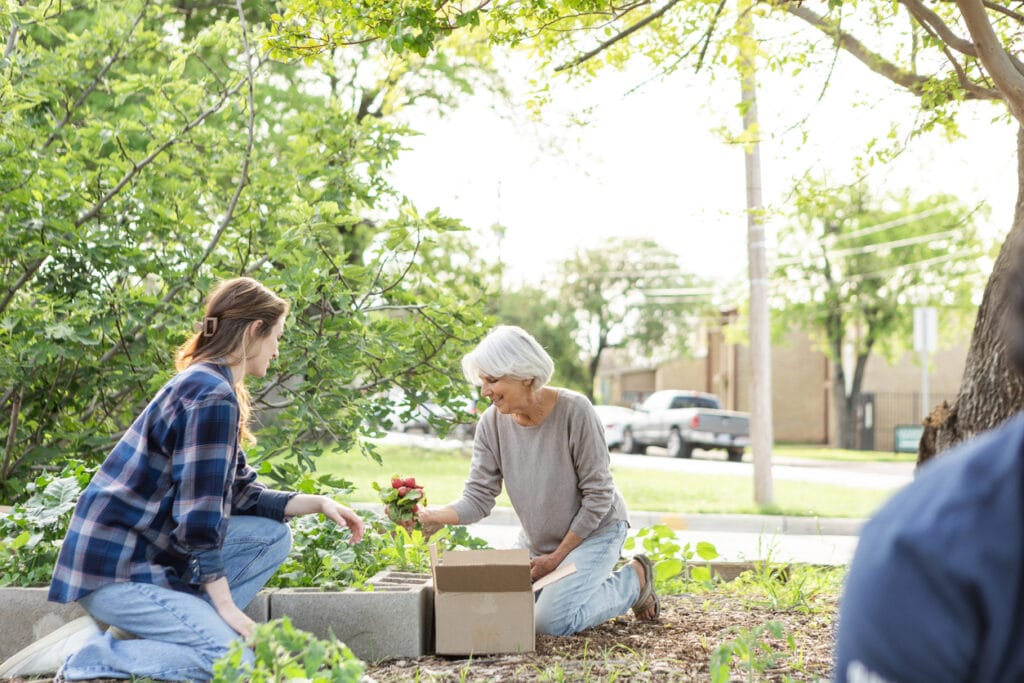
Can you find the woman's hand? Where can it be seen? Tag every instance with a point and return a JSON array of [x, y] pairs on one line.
[[542, 565], [343, 516], [220, 598], [305, 504], [432, 519], [238, 620]]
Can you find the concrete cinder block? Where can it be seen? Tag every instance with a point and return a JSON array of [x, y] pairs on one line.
[[395, 619], [26, 616], [259, 609]]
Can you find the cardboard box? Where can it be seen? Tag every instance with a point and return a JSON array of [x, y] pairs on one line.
[[483, 601]]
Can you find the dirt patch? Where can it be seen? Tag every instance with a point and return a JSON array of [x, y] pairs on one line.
[[677, 647]]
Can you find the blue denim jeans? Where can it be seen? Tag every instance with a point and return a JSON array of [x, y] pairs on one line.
[[180, 635], [594, 593]]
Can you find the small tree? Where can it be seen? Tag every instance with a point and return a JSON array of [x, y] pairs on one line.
[[852, 266], [627, 294], [552, 321], [148, 152]]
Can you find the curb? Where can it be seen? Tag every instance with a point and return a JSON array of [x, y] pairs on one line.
[[755, 524]]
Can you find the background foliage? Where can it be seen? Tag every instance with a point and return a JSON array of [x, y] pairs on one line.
[[150, 149]]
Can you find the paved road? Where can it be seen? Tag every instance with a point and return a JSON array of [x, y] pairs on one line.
[[872, 475], [732, 546], [876, 475]]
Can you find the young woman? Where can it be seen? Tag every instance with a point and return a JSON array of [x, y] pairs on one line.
[[174, 536]]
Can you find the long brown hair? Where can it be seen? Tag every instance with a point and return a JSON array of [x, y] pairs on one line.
[[230, 308]]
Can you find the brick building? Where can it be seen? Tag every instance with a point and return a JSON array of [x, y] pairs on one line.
[[802, 403]]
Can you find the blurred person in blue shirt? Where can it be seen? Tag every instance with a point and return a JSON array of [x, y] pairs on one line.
[[935, 591]]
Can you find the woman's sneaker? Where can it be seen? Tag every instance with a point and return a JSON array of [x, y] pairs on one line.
[[47, 655]]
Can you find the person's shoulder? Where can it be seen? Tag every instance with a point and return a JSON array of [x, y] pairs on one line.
[[574, 399], [202, 382], [979, 476], [987, 457]]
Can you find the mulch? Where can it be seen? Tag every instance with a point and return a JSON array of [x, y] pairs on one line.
[[676, 647]]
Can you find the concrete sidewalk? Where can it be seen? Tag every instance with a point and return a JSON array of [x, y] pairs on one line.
[[737, 538]]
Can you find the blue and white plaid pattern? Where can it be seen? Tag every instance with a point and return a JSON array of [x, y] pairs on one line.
[[157, 510]]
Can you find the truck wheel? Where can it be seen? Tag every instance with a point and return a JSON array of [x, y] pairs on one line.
[[735, 454], [629, 445], [676, 446]]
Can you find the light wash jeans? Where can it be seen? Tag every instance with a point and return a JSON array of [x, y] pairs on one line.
[[180, 635], [593, 594]]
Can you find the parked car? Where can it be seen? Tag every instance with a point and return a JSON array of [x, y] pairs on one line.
[[614, 418], [403, 418], [681, 421]]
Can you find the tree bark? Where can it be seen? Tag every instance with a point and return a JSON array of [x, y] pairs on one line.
[[991, 390], [845, 413]]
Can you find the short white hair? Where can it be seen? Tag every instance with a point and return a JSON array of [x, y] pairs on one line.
[[510, 351]]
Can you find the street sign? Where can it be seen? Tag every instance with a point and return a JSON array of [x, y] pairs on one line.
[[907, 437], [926, 329]]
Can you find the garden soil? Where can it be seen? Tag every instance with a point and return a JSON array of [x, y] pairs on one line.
[[676, 647]]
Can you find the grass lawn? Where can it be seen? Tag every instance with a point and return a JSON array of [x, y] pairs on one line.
[[817, 452], [443, 474]]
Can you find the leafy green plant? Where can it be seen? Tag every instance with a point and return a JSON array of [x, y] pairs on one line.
[[321, 556], [784, 586], [672, 562], [183, 156], [402, 499], [31, 533], [283, 652], [754, 653]]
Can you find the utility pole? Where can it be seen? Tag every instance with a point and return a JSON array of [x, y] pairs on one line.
[[760, 338]]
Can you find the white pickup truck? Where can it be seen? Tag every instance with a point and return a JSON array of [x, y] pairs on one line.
[[680, 421]]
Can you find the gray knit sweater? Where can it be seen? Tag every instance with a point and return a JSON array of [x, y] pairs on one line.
[[556, 473]]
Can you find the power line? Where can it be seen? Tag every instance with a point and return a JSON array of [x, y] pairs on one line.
[[913, 265], [903, 220], [880, 246]]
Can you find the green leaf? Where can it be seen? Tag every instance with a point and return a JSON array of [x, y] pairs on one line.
[[706, 551]]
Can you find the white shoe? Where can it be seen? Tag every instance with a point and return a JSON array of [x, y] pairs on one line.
[[47, 655], [120, 633]]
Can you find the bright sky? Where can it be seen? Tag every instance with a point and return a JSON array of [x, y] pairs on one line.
[[649, 164]]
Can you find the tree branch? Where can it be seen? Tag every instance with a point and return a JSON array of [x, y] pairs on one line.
[[243, 178], [12, 431], [93, 211], [993, 56], [604, 45], [1005, 11], [932, 21], [12, 41], [96, 81], [913, 82], [30, 271]]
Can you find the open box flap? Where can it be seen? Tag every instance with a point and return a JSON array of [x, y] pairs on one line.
[[557, 575]]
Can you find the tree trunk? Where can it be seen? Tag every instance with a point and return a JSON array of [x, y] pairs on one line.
[[991, 390], [846, 421]]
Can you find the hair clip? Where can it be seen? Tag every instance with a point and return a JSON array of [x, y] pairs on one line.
[[209, 326]]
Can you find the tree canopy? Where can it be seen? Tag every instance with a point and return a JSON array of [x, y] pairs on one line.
[[853, 265], [943, 54], [153, 148]]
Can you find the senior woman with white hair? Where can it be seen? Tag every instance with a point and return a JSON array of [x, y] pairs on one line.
[[547, 445]]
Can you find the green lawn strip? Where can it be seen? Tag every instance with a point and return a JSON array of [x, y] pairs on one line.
[[659, 491], [443, 473], [818, 452]]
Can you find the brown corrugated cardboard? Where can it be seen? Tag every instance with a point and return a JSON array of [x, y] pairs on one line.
[[483, 601]]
